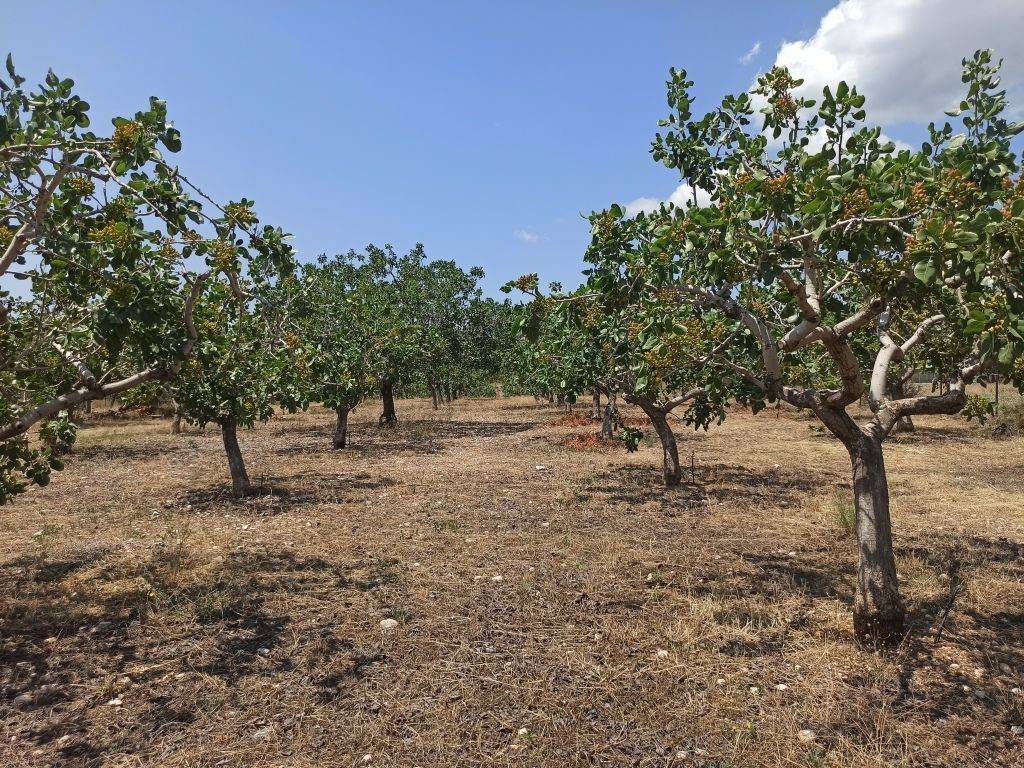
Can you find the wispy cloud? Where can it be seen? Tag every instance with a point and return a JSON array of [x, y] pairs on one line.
[[526, 235], [747, 57]]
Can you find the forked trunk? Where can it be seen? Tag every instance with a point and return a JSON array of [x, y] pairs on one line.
[[341, 428], [240, 485], [387, 395], [877, 610]]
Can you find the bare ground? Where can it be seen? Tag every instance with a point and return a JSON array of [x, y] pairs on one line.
[[575, 614]]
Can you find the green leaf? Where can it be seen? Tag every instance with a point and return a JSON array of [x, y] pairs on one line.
[[924, 271]]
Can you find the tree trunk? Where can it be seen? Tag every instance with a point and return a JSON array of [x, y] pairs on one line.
[[596, 413], [240, 485], [673, 471], [433, 395], [176, 424], [341, 428], [387, 395], [905, 424], [608, 423], [877, 610]]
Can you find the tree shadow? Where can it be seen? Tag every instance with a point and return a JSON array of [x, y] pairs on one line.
[[62, 649], [925, 434], [278, 494], [632, 484], [419, 437], [131, 450]]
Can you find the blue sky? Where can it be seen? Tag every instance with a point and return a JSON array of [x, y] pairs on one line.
[[482, 129]]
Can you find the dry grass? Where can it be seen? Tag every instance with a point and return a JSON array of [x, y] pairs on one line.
[[573, 615]]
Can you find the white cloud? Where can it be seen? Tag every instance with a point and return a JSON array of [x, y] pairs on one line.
[[682, 197], [747, 57], [904, 55], [526, 235]]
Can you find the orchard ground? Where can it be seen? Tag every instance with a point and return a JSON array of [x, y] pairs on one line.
[[555, 606]]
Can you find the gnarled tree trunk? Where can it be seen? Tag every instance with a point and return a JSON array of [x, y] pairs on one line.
[[673, 470], [878, 611], [387, 395], [341, 428], [240, 485]]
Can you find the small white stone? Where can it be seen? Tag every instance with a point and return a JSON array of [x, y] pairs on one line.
[[263, 652], [388, 625], [1016, 691], [540, 467], [1017, 730], [720, 681], [496, 578], [682, 754], [755, 690], [367, 759], [545, 525], [781, 687], [114, 702], [523, 731], [807, 736], [662, 653]]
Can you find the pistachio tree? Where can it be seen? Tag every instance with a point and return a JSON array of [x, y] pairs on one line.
[[651, 350], [331, 334], [450, 328], [240, 370], [105, 248], [827, 261]]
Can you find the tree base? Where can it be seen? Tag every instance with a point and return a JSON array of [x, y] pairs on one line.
[[879, 629]]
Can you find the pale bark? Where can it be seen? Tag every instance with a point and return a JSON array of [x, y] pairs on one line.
[[672, 470], [878, 611], [596, 412]]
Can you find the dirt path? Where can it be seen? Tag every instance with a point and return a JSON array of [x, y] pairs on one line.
[[554, 607]]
